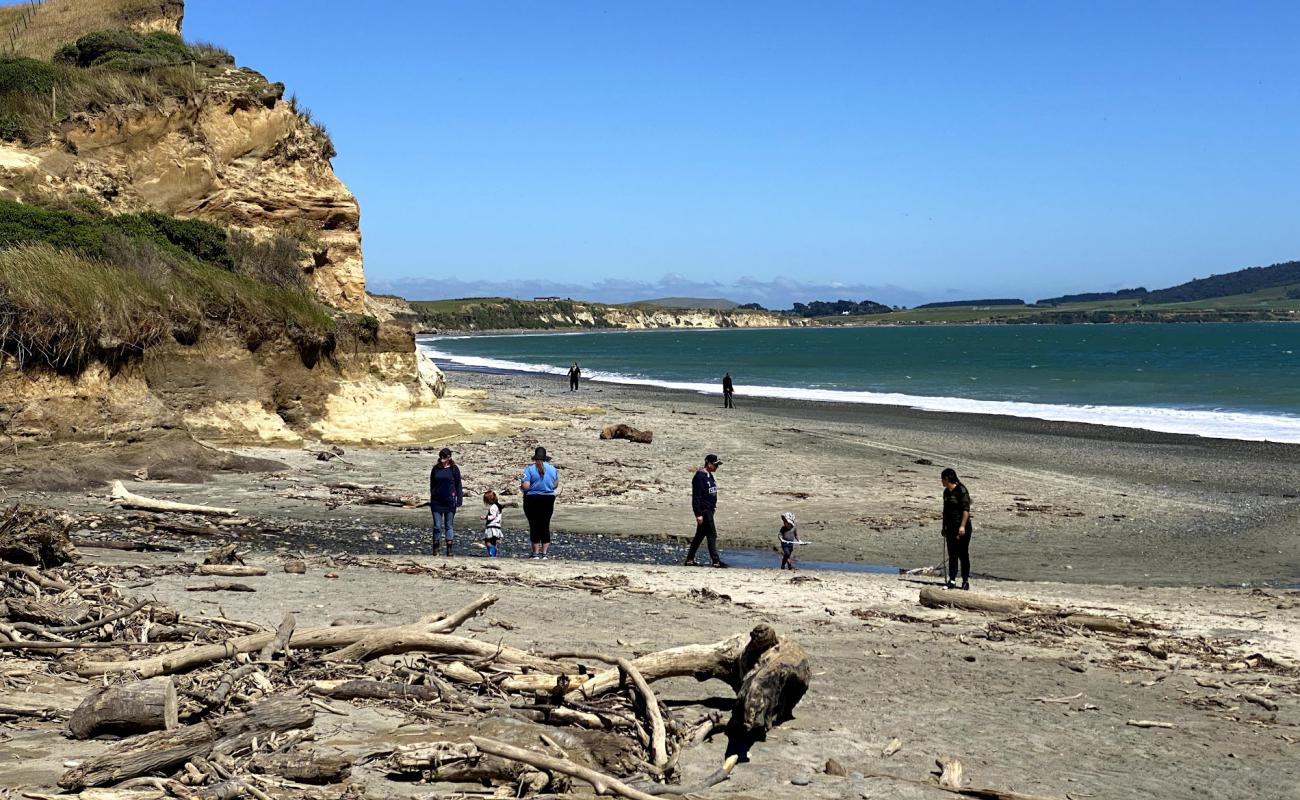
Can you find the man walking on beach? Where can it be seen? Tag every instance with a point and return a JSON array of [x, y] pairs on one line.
[[728, 389], [704, 502], [575, 372]]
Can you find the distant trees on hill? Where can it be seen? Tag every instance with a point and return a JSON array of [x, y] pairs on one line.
[[823, 308], [1093, 297], [1001, 301], [1243, 281], [751, 307]]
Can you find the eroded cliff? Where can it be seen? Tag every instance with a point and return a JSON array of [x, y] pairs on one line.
[[222, 145]]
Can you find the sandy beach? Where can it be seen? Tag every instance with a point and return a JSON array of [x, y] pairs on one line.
[[1052, 501], [1117, 523]]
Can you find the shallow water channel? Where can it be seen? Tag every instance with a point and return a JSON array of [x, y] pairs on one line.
[[398, 540]]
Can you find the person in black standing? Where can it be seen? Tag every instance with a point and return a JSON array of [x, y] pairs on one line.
[[445, 496], [704, 502], [728, 389], [575, 373], [956, 526]]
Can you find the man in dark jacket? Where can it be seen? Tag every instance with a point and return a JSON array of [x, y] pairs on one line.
[[445, 496], [575, 374], [728, 389], [704, 502]]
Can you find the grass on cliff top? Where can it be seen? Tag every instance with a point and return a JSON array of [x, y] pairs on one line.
[[56, 22], [76, 285]]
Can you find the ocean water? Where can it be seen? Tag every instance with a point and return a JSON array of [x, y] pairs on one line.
[[1236, 381]]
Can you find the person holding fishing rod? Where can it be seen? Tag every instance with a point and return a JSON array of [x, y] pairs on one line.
[[956, 527]]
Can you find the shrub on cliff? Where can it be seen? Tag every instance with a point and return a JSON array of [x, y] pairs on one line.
[[128, 51], [27, 76]]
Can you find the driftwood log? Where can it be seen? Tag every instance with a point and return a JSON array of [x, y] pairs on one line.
[[126, 708], [932, 597], [305, 766], [125, 498], [769, 674], [622, 431], [162, 750], [323, 638], [229, 570], [36, 537], [774, 685]]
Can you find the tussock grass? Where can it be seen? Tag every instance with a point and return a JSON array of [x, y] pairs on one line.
[[76, 286], [61, 310]]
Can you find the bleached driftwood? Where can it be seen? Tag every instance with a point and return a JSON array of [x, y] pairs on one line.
[[933, 597], [323, 638], [230, 570], [125, 498]]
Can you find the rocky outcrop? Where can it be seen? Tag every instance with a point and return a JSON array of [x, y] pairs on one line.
[[381, 393]]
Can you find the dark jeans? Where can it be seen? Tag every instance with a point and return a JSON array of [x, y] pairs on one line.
[[705, 530], [958, 553], [573, 384], [539, 508], [726, 400]]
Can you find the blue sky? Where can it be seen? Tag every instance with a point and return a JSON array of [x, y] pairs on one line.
[[780, 151]]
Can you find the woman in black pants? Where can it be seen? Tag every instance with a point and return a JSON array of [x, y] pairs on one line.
[[538, 483], [956, 526]]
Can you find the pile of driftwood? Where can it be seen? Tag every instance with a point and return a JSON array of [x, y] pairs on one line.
[[214, 708], [1134, 644]]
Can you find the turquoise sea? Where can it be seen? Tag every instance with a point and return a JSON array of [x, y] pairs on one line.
[[1239, 381]]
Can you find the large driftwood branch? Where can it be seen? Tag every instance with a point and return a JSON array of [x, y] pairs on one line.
[[125, 498], [703, 661], [404, 639], [932, 597], [324, 638], [602, 783], [769, 674], [161, 750]]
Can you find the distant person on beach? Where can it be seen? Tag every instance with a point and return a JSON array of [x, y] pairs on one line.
[[575, 373], [728, 389], [704, 502], [491, 523], [956, 526], [445, 497], [789, 536], [539, 482]]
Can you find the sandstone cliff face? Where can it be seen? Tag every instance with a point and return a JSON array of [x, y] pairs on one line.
[[221, 157], [236, 154], [638, 319]]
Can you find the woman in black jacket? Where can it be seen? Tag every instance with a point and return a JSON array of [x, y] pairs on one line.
[[445, 496], [956, 526]]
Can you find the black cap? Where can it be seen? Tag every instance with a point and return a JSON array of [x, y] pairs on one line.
[[712, 459], [540, 454], [444, 452]]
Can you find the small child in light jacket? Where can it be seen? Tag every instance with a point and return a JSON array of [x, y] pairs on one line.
[[491, 522], [789, 538]]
